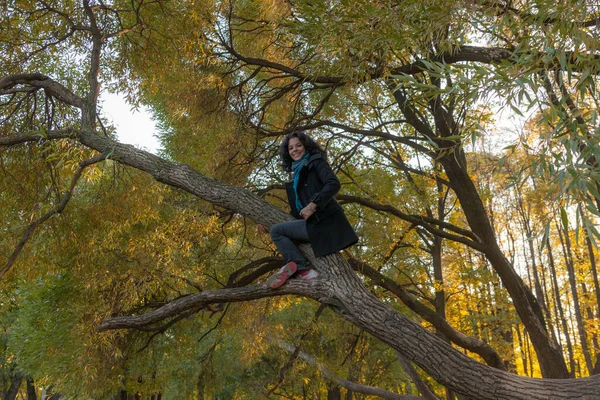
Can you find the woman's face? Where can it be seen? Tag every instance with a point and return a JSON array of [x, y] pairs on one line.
[[296, 148]]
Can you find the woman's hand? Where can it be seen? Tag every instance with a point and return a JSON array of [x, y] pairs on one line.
[[308, 211], [261, 228]]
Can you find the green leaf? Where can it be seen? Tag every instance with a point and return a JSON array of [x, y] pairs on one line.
[[564, 219]]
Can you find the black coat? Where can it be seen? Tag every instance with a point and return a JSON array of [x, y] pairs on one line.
[[328, 228]]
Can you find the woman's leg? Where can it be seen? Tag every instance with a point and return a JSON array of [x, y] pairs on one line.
[[284, 235]]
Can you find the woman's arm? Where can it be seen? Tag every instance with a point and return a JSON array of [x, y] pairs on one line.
[[331, 184]]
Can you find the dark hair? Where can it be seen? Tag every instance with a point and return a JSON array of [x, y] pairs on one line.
[[310, 145]]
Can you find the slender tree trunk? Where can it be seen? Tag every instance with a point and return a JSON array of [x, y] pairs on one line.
[[334, 393], [509, 338], [568, 256], [561, 312], [421, 386], [525, 221], [15, 384], [590, 318], [592, 258], [438, 273], [573, 330], [552, 319], [549, 356], [31, 393], [523, 352]]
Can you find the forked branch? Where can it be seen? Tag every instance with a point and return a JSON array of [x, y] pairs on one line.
[[59, 208]]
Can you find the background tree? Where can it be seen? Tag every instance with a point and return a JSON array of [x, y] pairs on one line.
[[98, 229]]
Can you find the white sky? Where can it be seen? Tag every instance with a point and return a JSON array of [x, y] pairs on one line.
[[133, 127]]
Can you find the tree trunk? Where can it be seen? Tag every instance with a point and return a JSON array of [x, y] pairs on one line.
[[590, 318], [549, 356], [594, 270], [523, 352], [334, 393], [454, 163], [531, 246], [31, 393], [568, 257], [15, 384], [561, 312]]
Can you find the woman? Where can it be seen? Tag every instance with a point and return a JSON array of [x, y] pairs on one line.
[[320, 219]]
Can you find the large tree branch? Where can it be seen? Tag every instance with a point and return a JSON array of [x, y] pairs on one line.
[[41, 81], [461, 54], [36, 137], [337, 287], [485, 55], [198, 301]]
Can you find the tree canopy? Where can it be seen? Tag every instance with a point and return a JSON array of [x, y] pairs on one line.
[[129, 272]]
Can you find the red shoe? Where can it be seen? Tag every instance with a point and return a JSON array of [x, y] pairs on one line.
[[283, 275]]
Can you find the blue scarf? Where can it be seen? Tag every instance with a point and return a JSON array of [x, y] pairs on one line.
[[297, 167]]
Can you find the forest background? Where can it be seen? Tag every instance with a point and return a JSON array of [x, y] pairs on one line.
[[126, 273]]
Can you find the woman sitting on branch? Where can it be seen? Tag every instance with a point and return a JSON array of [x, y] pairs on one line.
[[320, 219]]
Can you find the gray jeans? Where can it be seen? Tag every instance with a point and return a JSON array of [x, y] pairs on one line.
[[285, 235]]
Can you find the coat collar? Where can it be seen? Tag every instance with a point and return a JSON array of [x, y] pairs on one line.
[[310, 163], [314, 157]]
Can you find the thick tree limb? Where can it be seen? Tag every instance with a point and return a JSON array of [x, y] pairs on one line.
[[339, 288], [480, 54], [198, 301], [42, 82], [35, 137]]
